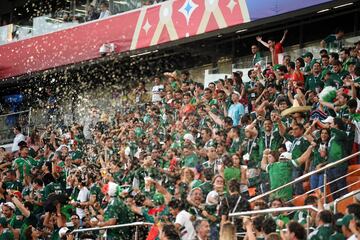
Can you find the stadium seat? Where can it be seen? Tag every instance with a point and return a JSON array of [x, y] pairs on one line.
[[341, 206], [252, 192], [352, 168], [353, 179], [299, 200]]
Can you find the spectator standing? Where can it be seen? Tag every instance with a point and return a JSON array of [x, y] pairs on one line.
[[275, 48], [182, 220], [105, 12], [333, 41], [257, 56], [18, 138], [92, 14], [156, 90], [236, 109]]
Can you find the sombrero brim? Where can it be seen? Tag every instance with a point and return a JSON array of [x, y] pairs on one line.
[[295, 110]]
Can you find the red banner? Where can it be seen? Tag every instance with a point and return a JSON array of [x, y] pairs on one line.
[[148, 26]]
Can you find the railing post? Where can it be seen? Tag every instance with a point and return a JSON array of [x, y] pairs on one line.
[[325, 182], [308, 222], [29, 122], [136, 232]]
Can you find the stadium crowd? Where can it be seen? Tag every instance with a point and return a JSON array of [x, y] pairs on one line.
[[184, 156]]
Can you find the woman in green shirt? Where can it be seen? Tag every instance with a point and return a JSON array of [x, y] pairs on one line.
[[234, 170], [319, 158]]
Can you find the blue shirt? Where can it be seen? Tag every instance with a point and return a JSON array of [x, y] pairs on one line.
[[235, 112]]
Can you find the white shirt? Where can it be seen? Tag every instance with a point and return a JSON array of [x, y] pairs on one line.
[[104, 14], [83, 196], [187, 230], [18, 138], [352, 237], [155, 93]]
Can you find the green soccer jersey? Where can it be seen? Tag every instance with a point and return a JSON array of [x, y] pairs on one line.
[[95, 190], [280, 173], [337, 148], [235, 146], [14, 185], [337, 236], [272, 141], [53, 187], [312, 82], [116, 209], [298, 145], [300, 216], [21, 163], [333, 43], [190, 161], [232, 173], [251, 147], [323, 232], [6, 235]]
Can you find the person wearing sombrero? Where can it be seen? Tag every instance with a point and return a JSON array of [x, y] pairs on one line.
[[298, 144]]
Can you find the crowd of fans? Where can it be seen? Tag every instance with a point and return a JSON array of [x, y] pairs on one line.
[[184, 157]]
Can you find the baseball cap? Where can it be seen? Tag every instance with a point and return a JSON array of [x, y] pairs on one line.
[[344, 221], [329, 119], [63, 231], [307, 54], [285, 155], [10, 205], [189, 137]]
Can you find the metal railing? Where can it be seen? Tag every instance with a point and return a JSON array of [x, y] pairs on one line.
[[6, 135], [308, 208], [350, 194], [307, 175], [328, 183], [134, 224]]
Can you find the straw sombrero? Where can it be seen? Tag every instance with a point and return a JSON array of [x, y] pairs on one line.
[[173, 74], [295, 109]]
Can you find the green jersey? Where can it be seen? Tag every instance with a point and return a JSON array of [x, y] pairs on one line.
[[280, 173], [323, 232], [337, 236], [337, 146], [116, 209], [298, 145], [272, 141], [6, 235], [21, 163], [14, 185], [190, 161], [312, 82], [232, 173]]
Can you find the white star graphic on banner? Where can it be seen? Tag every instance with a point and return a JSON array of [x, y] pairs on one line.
[[187, 9], [231, 5], [147, 26]]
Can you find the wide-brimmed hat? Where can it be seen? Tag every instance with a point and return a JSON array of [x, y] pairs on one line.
[[295, 109]]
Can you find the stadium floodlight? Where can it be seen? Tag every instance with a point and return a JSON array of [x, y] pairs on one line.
[[241, 30], [324, 10], [344, 5]]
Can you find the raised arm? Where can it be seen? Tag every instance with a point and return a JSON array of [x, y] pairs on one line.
[[215, 117], [284, 36], [282, 128], [264, 161], [259, 39], [24, 211], [306, 155]]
